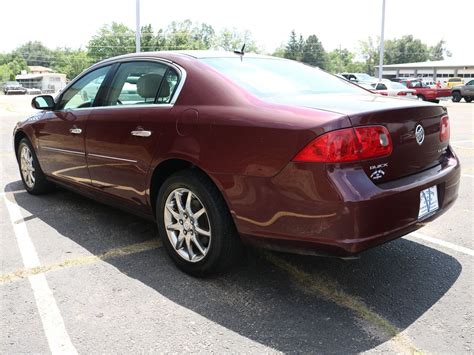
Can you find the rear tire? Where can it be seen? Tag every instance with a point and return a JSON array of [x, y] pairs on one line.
[[456, 96], [32, 176], [421, 97], [468, 99], [195, 224]]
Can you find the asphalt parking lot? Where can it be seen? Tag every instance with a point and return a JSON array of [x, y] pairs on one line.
[[78, 276]]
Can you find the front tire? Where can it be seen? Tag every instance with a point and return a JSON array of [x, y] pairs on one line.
[[195, 225], [32, 176], [456, 96]]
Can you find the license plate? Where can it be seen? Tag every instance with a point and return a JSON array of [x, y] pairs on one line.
[[428, 201]]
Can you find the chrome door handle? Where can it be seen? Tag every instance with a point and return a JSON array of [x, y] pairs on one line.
[[75, 130], [140, 132]]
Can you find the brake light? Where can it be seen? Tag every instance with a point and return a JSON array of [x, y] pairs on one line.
[[348, 144], [444, 129]]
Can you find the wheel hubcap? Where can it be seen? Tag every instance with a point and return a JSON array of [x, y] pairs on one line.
[[187, 225], [26, 165]]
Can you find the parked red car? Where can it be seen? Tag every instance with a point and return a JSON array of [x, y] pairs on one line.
[[221, 149], [425, 92]]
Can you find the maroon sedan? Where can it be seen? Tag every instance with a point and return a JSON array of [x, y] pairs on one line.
[[220, 149]]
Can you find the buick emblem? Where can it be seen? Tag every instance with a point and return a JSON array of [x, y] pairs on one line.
[[419, 134]]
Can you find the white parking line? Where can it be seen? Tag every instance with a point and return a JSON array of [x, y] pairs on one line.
[[467, 175], [53, 323], [442, 243]]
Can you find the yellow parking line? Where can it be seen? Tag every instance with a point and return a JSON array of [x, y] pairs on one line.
[[328, 289], [81, 260]]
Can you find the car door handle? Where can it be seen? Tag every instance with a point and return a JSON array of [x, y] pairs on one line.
[[75, 130], [140, 132]]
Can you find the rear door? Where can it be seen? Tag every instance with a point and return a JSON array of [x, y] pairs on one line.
[[122, 136], [62, 131]]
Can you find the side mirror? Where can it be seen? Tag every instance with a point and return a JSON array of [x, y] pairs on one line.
[[43, 102]]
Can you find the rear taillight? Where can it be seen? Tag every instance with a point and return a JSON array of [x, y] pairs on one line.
[[401, 93], [444, 129], [348, 144]]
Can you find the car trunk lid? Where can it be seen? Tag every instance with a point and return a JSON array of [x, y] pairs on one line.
[[402, 119]]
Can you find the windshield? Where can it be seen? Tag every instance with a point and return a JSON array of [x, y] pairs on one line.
[[272, 78], [364, 77]]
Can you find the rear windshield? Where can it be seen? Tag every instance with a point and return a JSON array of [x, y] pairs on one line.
[[397, 86], [272, 77]]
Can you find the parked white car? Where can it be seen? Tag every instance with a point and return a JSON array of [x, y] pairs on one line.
[[391, 88]]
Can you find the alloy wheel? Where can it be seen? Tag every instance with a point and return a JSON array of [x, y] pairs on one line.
[[187, 225], [27, 168]]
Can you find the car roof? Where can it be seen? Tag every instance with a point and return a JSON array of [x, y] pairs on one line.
[[171, 55]]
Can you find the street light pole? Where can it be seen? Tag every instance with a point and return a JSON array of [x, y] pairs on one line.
[[137, 29], [382, 41]]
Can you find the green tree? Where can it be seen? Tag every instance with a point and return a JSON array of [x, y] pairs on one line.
[[293, 47], [279, 51], [233, 39], [368, 50], [189, 35], [314, 53], [339, 60], [70, 61], [11, 65], [111, 40], [405, 50], [34, 53], [439, 51], [147, 39]]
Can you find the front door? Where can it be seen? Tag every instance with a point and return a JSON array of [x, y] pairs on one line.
[[123, 135], [62, 138]]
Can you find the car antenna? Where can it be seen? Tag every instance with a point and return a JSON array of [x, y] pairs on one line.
[[241, 52]]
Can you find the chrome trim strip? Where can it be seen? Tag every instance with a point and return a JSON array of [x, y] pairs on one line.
[[182, 79], [111, 158], [65, 151], [127, 106]]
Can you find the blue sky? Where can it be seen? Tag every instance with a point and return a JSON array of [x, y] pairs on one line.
[[336, 22]]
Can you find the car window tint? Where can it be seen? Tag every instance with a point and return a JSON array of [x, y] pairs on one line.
[[470, 83], [381, 86], [84, 91], [139, 82], [271, 78]]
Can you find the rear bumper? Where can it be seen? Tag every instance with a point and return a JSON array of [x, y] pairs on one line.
[[312, 209]]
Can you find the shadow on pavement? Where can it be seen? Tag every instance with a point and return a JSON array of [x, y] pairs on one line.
[[400, 280]]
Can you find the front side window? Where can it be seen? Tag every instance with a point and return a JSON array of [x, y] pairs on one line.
[[142, 83], [84, 91], [470, 83]]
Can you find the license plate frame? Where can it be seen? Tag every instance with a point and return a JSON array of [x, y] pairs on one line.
[[428, 202]]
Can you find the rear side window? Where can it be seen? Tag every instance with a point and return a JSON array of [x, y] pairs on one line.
[[142, 83]]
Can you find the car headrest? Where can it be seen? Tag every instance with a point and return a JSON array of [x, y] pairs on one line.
[[147, 86]]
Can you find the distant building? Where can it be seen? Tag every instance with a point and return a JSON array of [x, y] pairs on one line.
[[437, 70], [42, 78]]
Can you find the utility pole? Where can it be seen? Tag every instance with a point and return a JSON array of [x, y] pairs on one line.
[[137, 29], [382, 41]]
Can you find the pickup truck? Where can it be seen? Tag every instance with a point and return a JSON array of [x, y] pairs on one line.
[[465, 92], [424, 92]]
